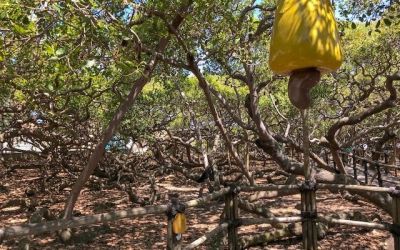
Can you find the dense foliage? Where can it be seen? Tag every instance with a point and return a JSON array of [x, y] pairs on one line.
[[207, 96]]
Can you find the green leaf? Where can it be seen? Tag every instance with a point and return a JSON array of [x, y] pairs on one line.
[[20, 29], [129, 64], [378, 24], [25, 20], [50, 87], [60, 52], [387, 22], [50, 50], [353, 25]]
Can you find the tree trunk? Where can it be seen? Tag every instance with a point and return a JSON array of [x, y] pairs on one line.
[[98, 152]]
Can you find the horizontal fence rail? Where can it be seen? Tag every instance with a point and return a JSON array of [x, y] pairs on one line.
[[355, 187], [320, 186], [257, 221], [231, 221], [364, 224], [51, 226], [370, 161], [268, 188]]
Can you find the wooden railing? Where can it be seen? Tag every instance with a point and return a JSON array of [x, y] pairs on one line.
[[367, 164], [231, 220]]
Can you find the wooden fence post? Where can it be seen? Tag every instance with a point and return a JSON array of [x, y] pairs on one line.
[[395, 193], [174, 207], [378, 169], [231, 216], [327, 157], [309, 215], [365, 163], [344, 159], [386, 157], [354, 164], [172, 241], [334, 164]]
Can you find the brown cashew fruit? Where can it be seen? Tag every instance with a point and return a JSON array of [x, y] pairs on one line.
[[300, 83]]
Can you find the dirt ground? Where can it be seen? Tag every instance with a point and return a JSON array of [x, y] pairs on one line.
[[149, 232]]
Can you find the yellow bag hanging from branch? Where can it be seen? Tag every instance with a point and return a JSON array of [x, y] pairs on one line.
[[179, 223], [304, 44]]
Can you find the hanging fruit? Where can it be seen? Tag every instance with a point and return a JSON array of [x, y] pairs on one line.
[[304, 44]]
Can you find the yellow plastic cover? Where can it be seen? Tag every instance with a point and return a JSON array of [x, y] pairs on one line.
[[304, 35], [179, 224]]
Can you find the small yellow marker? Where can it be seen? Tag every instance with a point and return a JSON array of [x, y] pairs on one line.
[[179, 223]]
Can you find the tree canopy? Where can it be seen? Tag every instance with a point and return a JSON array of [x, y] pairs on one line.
[[189, 81]]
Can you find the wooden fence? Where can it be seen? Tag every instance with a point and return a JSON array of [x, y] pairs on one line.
[[365, 165], [360, 163], [231, 222]]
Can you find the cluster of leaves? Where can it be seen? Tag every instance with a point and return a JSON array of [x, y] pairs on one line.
[[74, 63]]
